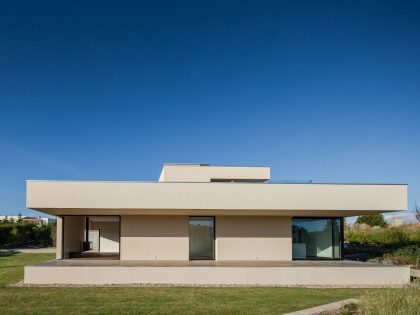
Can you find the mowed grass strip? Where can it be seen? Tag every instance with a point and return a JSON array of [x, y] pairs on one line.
[[152, 300], [159, 300], [11, 265]]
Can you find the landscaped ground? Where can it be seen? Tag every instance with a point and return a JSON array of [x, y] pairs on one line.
[[152, 300]]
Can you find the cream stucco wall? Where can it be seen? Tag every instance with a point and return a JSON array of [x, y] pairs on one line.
[[207, 173], [237, 238], [73, 234], [59, 239], [62, 198], [109, 241], [313, 274], [154, 238], [253, 238]]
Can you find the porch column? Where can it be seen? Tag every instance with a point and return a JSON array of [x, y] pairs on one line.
[[59, 239]]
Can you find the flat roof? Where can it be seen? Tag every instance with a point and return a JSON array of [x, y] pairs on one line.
[[270, 182], [211, 165], [209, 197]]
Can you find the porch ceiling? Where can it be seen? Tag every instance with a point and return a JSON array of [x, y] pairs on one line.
[[209, 212]]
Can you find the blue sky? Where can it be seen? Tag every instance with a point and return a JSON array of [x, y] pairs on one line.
[[327, 90]]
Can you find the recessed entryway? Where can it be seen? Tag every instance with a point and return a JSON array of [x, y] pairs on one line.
[[95, 237]]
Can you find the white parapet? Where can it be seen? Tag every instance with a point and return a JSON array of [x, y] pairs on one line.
[[344, 276]]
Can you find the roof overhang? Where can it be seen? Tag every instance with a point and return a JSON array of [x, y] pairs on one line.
[[162, 198]]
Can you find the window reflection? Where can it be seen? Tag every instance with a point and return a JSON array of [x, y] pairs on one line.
[[317, 238], [201, 230]]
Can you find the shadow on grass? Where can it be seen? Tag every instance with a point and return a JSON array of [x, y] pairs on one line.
[[11, 266], [7, 253]]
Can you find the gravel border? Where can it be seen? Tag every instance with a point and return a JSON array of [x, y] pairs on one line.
[[21, 284]]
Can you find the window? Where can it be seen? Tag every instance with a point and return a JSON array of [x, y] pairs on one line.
[[201, 230], [317, 238]]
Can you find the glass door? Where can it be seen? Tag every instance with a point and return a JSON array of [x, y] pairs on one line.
[[317, 238], [201, 230]]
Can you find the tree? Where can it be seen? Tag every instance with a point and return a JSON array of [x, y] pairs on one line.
[[417, 211], [372, 220], [14, 236], [53, 233]]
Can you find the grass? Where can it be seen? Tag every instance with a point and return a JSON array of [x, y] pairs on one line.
[[11, 265], [153, 300], [405, 301]]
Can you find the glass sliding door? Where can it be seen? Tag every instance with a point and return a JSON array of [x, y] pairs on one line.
[[201, 230], [317, 238], [337, 226]]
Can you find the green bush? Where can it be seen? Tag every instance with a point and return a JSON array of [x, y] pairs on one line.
[[372, 220], [396, 245], [414, 234], [411, 254], [392, 259], [362, 234], [24, 233]]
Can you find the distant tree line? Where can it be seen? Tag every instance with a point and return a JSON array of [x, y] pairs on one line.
[[372, 220], [18, 234]]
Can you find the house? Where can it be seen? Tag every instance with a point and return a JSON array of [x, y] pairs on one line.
[[202, 224], [398, 221], [37, 220]]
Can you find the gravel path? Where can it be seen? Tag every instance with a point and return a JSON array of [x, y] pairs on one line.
[[44, 250]]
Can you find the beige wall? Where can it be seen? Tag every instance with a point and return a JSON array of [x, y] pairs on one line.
[[59, 239], [154, 238], [360, 275], [206, 173], [237, 238], [73, 234], [253, 238], [56, 197], [109, 241]]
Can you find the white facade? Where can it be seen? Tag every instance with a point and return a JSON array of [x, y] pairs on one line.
[[228, 215]]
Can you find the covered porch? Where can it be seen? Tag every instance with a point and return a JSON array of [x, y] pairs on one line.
[[88, 237]]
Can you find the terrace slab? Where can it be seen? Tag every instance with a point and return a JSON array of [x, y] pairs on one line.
[[270, 273]]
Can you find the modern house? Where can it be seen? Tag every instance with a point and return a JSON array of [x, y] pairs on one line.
[[202, 224]]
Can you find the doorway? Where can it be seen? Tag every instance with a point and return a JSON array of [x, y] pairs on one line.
[[201, 238], [91, 237]]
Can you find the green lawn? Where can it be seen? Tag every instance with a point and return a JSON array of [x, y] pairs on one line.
[[152, 300]]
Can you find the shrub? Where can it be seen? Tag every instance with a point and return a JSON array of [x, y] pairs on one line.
[[396, 245], [411, 254], [364, 234], [23, 233], [413, 232], [391, 259], [372, 220]]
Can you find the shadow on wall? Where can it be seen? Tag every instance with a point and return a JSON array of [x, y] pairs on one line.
[[154, 226], [255, 227], [109, 236], [226, 226]]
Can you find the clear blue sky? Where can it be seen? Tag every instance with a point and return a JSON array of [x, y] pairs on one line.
[[321, 90]]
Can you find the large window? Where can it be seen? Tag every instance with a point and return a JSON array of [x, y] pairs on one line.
[[317, 238], [201, 231]]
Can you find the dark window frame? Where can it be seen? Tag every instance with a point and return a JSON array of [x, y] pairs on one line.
[[214, 236], [332, 236]]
